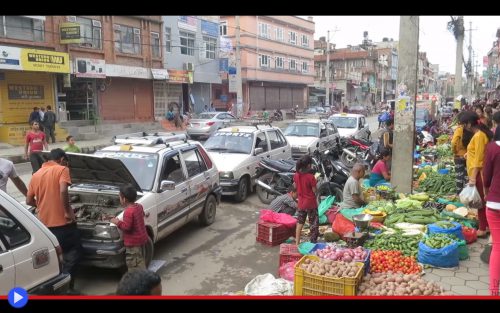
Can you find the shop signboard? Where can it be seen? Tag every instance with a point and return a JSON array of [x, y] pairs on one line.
[[44, 61], [187, 22], [91, 68], [18, 92], [115, 70], [209, 28], [69, 33], [180, 77], [233, 86], [159, 73], [10, 58]]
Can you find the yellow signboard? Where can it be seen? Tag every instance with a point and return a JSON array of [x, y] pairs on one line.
[[44, 61], [70, 33]]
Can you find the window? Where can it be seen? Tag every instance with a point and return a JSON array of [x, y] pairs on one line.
[[210, 44], [91, 33], [293, 38], [223, 28], [265, 30], [279, 34], [279, 62], [261, 142], [264, 60], [275, 139], [305, 67], [305, 40], [172, 170], [168, 39], [12, 233], [293, 65], [22, 28], [330, 129], [155, 45], [127, 39], [187, 42], [194, 162]]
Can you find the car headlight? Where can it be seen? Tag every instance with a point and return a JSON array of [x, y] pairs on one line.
[[226, 175], [103, 231]]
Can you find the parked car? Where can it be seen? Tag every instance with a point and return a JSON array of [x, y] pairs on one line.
[[176, 181], [30, 255], [315, 110], [351, 125], [208, 122], [303, 136], [238, 150], [357, 109]]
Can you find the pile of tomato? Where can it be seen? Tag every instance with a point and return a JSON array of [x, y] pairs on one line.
[[385, 261]]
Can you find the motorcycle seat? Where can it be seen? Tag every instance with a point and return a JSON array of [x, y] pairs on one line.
[[365, 142], [281, 165]]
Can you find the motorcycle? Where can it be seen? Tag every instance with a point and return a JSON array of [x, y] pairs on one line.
[[424, 139], [356, 150], [274, 178]]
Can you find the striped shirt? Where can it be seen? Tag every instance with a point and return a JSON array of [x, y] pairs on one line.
[[284, 204]]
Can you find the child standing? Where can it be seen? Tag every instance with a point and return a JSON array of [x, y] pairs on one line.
[[71, 147], [305, 184], [135, 236]]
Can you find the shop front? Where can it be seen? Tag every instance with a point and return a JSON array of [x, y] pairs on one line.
[[27, 80], [172, 93]]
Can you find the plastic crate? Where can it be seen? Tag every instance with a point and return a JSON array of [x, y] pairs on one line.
[[289, 253], [307, 284], [273, 234]]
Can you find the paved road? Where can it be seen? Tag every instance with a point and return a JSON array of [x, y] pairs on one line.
[[217, 259]]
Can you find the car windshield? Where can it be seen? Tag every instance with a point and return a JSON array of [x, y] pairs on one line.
[[206, 116], [302, 130], [141, 165], [344, 122], [230, 142]]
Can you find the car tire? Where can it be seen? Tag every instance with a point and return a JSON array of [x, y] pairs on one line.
[[243, 187], [207, 216], [149, 252]]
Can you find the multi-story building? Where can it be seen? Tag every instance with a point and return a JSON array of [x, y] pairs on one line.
[[492, 73], [191, 54], [85, 67], [388, 69], [277, 61]]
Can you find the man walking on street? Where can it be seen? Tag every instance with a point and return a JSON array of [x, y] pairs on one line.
[[48, 191], [49, 124], [7, 170]]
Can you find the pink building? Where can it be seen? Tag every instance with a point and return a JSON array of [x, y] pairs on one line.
[[277, 60]]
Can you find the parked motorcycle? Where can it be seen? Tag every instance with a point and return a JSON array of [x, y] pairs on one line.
[[358, 151]]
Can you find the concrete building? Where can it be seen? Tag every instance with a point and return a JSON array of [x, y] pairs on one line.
[[388, 48], [88, 68], [492, 73], [277, 61], [192, 45]]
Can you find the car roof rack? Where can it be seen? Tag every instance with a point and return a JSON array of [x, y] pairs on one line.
[[149, 139], [252, 122]]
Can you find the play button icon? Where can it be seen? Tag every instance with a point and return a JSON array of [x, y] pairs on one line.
[[18, 297]]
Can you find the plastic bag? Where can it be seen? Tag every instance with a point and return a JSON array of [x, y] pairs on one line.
[[444, 257], [267, 285], [457, 230], [470, 197], [324, 206], [342, 225], [470, 234], [278, 218], [349, 213], [463, 251], [287, 271], [332, 213]]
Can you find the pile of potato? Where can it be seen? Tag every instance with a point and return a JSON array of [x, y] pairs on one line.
[[330, 268], [390, 284]]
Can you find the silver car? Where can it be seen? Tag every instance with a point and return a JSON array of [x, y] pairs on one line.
[[208, 122]]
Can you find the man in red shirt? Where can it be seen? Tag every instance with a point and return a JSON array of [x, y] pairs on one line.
[[135, 236], [35, 143], [48, 191]]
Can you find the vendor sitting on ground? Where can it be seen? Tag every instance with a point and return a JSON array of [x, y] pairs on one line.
[[380, 173], [286, 203], [353, 195]]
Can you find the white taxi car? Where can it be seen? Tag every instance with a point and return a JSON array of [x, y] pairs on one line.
[[351, 125], [303, 136], [237, 151]]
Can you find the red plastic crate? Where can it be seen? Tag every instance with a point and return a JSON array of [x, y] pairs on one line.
[[272, 234], [289, 253]]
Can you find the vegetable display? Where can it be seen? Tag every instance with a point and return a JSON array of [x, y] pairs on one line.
[[445, 224], [438, 241], [407, 245], [342, 254], [330, 268], [422, 216], [390, 284], [393, 261], [438, 184]]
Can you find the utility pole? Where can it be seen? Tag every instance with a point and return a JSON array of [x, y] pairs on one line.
[[404, 127], [327, 87], [239, 83], [469, 66], [459, 57]]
